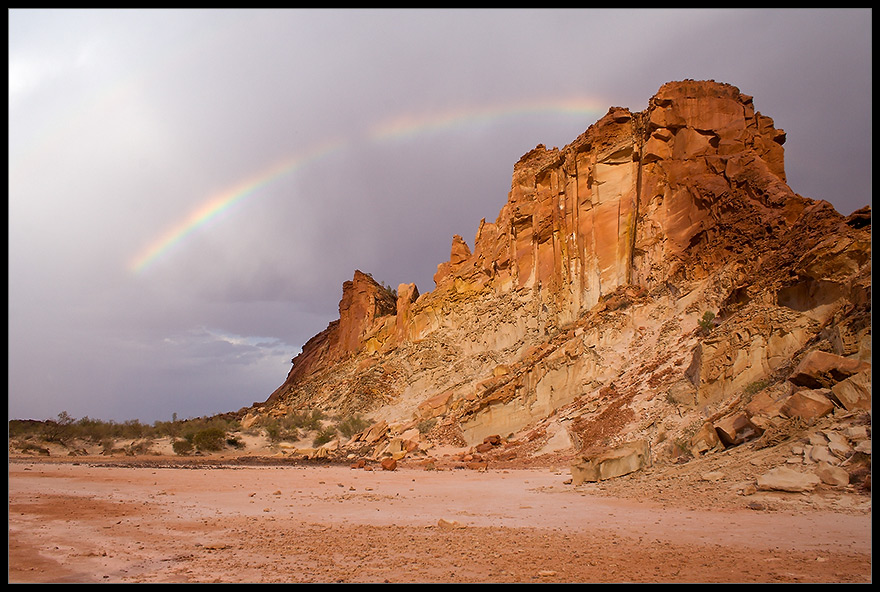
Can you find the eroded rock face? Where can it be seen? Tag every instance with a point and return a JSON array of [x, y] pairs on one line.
[[363, 312], [585, 299]]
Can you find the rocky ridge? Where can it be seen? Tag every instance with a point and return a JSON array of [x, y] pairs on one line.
[[651, 293]]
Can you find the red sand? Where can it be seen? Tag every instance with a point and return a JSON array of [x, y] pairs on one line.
[[94, 522]]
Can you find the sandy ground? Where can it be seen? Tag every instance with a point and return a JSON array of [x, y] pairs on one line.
[[163, 520]]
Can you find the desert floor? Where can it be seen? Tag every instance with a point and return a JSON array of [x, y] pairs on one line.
[[165, 520]]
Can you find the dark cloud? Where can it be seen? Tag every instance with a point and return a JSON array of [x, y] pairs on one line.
[[125, 123]]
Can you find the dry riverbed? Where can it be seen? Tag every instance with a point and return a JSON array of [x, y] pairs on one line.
[[161, 520]]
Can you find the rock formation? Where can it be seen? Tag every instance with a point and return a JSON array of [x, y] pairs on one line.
[[655, 280]]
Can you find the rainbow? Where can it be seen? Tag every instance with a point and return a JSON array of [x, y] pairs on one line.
[[393, 129], [407, 126], [223, 202]]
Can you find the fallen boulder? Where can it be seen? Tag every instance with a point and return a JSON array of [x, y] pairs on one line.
[[763, 405], [831, 475], [445, 524], [736, 428], [435, 406], [785, 479], [706, 439], [854, 392], [619, 461], [808, 404], [820, 369], [374, 433], [820, 453]]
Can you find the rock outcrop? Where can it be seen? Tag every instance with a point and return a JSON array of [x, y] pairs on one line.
[[655, 280]]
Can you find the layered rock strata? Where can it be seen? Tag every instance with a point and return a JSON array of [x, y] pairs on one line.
[[586, 300]]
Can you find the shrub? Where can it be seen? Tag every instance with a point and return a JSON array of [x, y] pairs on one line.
[[277, 431], [235, 442], [135, 448], [426, 425], [324, 435], [706, 322], [182, 447], [209, 439], [307, 420], [60, 430], [350, 426]]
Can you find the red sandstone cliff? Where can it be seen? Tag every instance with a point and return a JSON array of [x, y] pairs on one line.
[[587, 292]]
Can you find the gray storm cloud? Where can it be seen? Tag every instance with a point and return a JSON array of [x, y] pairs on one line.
[[122, 123]]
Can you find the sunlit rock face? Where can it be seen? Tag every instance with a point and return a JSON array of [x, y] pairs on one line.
[[585, 302]]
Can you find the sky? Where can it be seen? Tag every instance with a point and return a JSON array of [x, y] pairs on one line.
[[189, 189]]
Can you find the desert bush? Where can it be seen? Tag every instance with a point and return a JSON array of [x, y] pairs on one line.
[[350, 426], [140, 447], [235, 442], [182, 447], [209, 439], [278, 430], [307, 420], [426, 425], [325, 434], [65, 428], [59, 430], [706, 323]]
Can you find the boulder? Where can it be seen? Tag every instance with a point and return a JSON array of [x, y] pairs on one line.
[[785, 479], [494, 440], [819, 369], [736, 428], [374, 433], [857, 432], [822, 454], [445, 524], [854, 392], [808, 404], [389, 464], [706, 439], [395, 448], [831, 475], [436, 405], [619, 461], [763, 405]]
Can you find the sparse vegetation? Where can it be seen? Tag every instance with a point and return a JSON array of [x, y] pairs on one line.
[[289, 428], [30, 447], [199, 433], [186, 436], [350, 426], [389, 290], [235, 442], [707, 322], [279, 431], [182, 447], [755, 387], [209, 439], [426, 425], [325, 434]]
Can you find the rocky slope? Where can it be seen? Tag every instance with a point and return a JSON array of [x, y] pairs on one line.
[[655, 283]]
